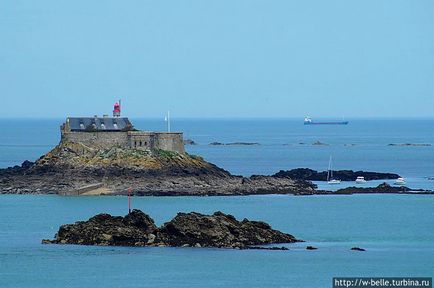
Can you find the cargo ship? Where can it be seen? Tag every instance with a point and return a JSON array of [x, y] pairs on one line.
[[308, 121]]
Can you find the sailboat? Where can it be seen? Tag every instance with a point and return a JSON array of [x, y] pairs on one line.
[[330, 179]]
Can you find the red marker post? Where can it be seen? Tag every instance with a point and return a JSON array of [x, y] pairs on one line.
[[129, 199]]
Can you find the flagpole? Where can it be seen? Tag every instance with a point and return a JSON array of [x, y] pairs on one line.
[[168, 121]]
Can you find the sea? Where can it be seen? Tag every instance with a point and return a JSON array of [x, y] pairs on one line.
[[397, 231]]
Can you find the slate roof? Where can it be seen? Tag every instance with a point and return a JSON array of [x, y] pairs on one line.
[[90, 124]]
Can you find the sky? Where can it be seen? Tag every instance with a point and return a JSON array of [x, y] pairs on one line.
[[217, 58]]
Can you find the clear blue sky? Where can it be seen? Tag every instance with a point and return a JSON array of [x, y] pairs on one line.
[[233, 58]]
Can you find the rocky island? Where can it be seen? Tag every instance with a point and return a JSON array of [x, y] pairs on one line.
[[106, 155], [185, 230], [343, 175]]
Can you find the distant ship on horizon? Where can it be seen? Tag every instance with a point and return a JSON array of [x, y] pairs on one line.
[[308, 121]]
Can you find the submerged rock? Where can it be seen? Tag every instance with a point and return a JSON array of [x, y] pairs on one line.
[[243, 143], [410, 144], [319, 143], [185, 230], [189, 142], [343, 175], [358, 249]]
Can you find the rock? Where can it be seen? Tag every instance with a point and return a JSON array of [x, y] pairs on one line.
[[151, 239], [267, 248], [311, 248], [357, 249], [219, 230], [234, 143], [243, 143], [185, 230], [104, 229], [343, 175], [189, 142], [410, 144], [319, 143], [382, 188], [26, 164]]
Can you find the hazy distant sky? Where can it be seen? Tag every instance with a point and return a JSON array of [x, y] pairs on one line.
[[217, 58]]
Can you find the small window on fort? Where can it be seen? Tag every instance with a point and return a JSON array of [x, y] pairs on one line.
[[146, 143], [140, 144], [135, 143]]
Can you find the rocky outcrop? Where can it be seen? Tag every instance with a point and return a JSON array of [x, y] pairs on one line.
[[234, 143], [319, 143], [189, 142], [185, 230], [71, 168], [410, 144], [358, 249], [383, 188], [343, 175]]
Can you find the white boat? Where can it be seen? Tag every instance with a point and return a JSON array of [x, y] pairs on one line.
[[400, 181], [330, 179], [360, 180]]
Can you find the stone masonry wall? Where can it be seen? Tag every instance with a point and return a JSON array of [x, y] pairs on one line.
[[170, 141], [131, 139], [100, 139]]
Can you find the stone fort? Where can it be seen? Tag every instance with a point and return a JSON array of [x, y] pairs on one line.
[[116, 131]]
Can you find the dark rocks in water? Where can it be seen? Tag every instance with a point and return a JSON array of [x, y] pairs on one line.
[[319, 143], [311, 248], [234, 143], [410, 144], [185, 230], [219, 230], [382, 188], [358, 249], [135, 229], [189, 142], [267, 248], [343, 175], [243, 143]]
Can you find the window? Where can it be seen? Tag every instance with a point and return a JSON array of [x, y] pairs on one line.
[[140, 144]]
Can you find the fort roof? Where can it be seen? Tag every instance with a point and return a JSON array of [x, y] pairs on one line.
[[99, 123]]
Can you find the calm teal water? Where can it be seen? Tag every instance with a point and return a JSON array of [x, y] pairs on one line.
[[397, 230]]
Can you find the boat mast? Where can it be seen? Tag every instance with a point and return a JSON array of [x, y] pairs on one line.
[[328, 170]]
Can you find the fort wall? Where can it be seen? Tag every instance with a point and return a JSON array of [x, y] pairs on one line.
[[101, 139], [170, 141], [142, 140]]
